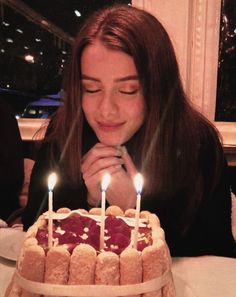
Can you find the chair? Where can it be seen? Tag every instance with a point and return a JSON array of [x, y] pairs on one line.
[[233, 215], [28, 165]]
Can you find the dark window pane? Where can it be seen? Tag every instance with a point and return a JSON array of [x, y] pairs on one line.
[[226, 89], [33, 57]]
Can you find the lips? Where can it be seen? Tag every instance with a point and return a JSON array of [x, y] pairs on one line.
[[110, 127]]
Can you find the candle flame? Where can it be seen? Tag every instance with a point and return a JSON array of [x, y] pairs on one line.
[[105, 181], [138, 183], [52, 179]]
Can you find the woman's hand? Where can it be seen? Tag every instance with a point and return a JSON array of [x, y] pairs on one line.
[[99, 160], [121, 191], [103, 159]]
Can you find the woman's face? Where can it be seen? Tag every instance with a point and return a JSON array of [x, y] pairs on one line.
[[112, 100]]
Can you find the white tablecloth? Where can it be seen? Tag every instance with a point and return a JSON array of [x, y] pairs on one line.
[[6, 271], [206, 276]]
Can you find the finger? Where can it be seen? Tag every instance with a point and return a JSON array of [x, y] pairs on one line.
[[97, 152], [95, 179], [101, 164], [128, 162]]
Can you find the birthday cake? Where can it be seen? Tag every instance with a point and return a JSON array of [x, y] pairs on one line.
[[76, 265]]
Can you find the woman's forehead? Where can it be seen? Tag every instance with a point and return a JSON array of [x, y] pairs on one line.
[[99, 60]]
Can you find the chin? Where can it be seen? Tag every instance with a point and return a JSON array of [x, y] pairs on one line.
[[111, 142]]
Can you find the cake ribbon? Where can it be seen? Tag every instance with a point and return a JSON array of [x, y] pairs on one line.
[[93, 290]]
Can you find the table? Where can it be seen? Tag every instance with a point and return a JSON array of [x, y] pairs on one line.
[[7, 268], [206, 276]]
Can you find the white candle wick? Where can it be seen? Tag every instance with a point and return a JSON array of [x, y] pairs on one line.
[[104, 185], [138, 183], [52, 179], [105, 182], [51, 183]]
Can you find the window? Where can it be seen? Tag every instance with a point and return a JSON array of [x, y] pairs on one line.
[[35, 42]]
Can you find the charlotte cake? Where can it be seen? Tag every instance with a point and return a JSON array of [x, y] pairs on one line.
[[81, 269]]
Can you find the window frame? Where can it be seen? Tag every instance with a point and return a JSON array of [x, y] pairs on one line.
[[195, 36]]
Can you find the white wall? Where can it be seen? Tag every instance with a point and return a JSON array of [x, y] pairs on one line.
[[193, 26]]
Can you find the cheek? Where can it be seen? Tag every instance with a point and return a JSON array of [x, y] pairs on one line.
[[138, 120], [138, 113], [87, 107]]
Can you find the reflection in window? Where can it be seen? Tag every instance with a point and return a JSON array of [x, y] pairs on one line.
[[32, 56], [226, 89]]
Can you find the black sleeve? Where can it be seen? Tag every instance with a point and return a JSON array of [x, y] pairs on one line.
[[38, 187], [214, 215], [216, 218], [11, 162], [65, 194], [211, 231]]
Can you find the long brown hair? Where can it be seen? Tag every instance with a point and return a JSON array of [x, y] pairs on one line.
[[174, 133]]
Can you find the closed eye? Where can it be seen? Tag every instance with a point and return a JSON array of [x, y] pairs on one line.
[[129, 92], [91, 91]]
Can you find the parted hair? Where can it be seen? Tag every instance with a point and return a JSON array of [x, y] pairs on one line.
[[170, 144]]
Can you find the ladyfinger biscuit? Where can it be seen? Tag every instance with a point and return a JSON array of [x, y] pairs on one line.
[[64, 210], [32, 266], [130, 268], [9, 289], [83, 211], [130, 213], [107, 269], [158, 234], [82, 265], [152, 262], [95, 211], [32, 231], [144, 214], [157, 231], [114, 210], [27, 243], [154, 221], [57, 266], [13, 290]]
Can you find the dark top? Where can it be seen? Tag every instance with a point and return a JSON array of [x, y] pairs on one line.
[[11, 162], [210, 233]]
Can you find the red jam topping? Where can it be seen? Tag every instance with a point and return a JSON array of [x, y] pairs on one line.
[[77, 229]]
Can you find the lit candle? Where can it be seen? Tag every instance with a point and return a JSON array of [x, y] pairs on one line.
[[51, 183], [138, 183], [104, 185]]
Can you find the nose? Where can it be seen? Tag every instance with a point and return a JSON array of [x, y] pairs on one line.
[[108, 105]]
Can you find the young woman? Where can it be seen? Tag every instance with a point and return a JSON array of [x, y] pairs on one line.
[[125, 111]]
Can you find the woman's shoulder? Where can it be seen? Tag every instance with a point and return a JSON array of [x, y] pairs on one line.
[[207, 130]]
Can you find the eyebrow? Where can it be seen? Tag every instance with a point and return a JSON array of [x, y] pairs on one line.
[[125, 78]]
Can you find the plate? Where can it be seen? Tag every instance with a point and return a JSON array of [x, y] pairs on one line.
[[10, 243]]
